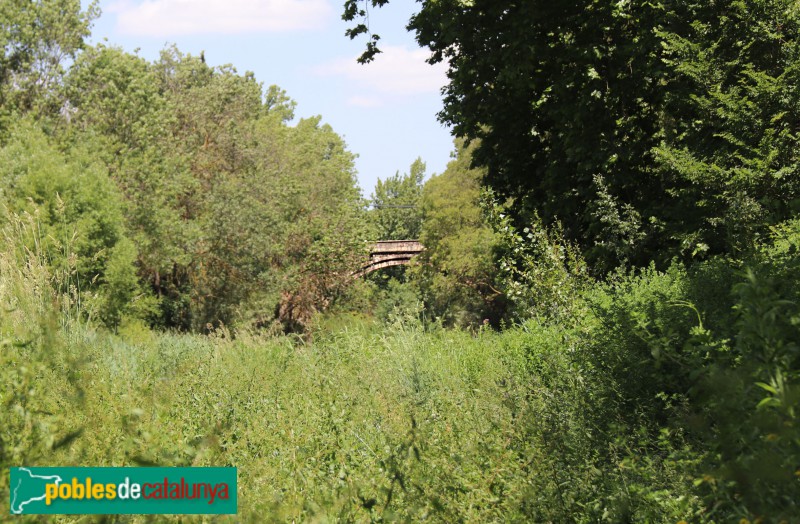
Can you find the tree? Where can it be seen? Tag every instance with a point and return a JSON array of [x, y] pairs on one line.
[[79, 225], [456, 273], [648, 130], [231, 209], [36, 39], [395, 203], [117, 95]]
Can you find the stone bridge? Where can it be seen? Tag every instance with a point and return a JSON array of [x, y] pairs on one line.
[[387, 253]]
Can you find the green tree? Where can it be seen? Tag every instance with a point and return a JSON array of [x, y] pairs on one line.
[[229, 206], [37, 39], [456, 273], [395, 203], [79, 224], [648, 130], [117, 95]]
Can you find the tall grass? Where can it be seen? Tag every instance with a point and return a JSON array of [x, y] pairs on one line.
[[636, 410], [39, 390], [365, 423], [361, 425]]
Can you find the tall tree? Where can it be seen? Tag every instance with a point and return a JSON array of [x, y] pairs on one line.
[[456, 273], [649, 130], [37, 38], [395, 203], [232, 210]]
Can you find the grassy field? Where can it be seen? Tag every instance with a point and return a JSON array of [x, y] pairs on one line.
[[360, 424], [359, 421], [631, 410]]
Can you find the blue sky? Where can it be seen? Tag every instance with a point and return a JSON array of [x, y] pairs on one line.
[[386, 110]]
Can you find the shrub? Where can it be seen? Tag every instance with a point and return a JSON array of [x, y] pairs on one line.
[[79, 226]]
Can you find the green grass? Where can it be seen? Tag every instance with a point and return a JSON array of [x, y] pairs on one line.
[[629, 411], [361, 424]]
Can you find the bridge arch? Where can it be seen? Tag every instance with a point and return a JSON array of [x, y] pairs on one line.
[[388, 253]]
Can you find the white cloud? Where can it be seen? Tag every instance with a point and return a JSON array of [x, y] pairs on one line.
[[167, 18], [396, 71]]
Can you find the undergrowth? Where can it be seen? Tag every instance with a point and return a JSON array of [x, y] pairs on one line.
[[668, 396]]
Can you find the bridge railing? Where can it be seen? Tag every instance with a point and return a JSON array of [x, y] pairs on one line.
[[396, 246], [387, 253]]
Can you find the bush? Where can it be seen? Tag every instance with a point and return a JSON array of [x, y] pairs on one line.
[[78, 225], [692, 376]]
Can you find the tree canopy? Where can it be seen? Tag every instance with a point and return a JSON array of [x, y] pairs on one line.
[[396, 204], [457, 273], [181, 188], [648, 130]]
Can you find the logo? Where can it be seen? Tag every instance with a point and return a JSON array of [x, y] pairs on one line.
[[123, 491]]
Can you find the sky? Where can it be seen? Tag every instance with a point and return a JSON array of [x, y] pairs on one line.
[[385, 110]]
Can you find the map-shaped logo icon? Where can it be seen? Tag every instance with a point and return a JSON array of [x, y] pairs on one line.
[[28, 490]]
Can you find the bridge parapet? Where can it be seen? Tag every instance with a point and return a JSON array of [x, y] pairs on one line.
[[387, 253], [396, 246]]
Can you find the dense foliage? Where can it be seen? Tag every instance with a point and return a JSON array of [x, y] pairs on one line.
[[457, 274], [609, 332], [649, 130], [188, 174], [636, 409]]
